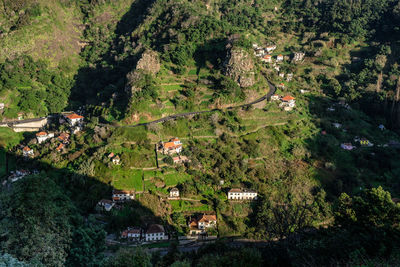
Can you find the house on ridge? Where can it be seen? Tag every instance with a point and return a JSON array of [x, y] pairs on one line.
[[74, 119], [155, 232]]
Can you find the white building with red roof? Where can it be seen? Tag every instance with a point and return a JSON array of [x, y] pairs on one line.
[[27, 152], [43, 136], [74, 119], [155, 232], [173, 146], [134, 233]]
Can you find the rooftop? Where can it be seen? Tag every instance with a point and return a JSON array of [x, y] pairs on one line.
[[74, 116]]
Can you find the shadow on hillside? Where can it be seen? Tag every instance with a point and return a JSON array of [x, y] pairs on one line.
[[350, 171], [83, 191], [102, 82]]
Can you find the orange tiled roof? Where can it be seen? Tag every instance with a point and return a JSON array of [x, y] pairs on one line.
[[267, 56], [41, 134], [207, 218], [27, 149], [288, 98], [74, 116], [170, 145], [60, 146], [235, 190]]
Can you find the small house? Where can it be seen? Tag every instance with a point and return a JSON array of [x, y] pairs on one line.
[[122, 195], [270, 48], [347, 146], [336, 125], [289, 77], [116, 160], [281, 74], [64, 138], [267, 59], [2, 106], [111, 155], [365, 142], [279, 58], [201, 223], [174, 193], [133, 233], [60, 147], [277, 68], [381, 127], [43, 136], [275, 97], [172, 146], [155, 232], [290, 100], [241, 194], [106, 204], [27, 152], [281, 85], [74, 119], [20, 115]]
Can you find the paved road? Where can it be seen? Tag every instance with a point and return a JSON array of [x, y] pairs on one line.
[[272, 90]]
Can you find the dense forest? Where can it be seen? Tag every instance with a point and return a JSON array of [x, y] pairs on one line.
[[124, 63]]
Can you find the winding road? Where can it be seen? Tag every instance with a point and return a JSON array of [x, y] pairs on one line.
[[272, 90]]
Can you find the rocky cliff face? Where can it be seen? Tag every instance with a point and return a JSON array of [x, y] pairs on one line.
[[239, 66], [148, 63]]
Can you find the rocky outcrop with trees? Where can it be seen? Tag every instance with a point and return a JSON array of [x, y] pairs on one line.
[[239, 66]]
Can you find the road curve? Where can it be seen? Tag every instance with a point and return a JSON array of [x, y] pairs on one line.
[[272, 90]]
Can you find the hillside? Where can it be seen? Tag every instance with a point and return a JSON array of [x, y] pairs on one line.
[[294, 101]]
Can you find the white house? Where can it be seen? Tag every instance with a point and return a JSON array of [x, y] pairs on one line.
[[336, 125], [122, 195], [132, 233], [155, 232], [27, 152], [270, 48], [116, 160], [172, 146], [74, 119], [279, 58], [174, 193], [242, 194], [106, 204], [267, 59], [2, 106], [289, 77], [201, 223], [347, 146], [43, 136], [289, 101]]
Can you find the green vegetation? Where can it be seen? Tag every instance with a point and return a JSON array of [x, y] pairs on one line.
[[124, 62]]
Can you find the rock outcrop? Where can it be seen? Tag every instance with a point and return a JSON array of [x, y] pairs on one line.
[[149, 62], [239, 66]]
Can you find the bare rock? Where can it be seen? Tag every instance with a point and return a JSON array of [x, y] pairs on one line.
[[149, 62], [239, 66]]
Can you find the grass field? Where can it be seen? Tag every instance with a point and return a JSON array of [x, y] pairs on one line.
[[128, 180], [183, 205], [172, 179]]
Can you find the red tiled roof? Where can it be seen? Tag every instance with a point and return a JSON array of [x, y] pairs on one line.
[[74, 116], [41, 134], [207, 218], [27, 149], [171, 145], [288, 98], [111, 155], [280, 55], [60, 146], [267, 56]]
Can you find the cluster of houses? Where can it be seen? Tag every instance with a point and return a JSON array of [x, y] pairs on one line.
[[76, 123], [288, 102], [118, 196]]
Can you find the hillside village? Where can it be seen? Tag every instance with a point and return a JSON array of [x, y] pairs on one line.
[[197, 133]]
